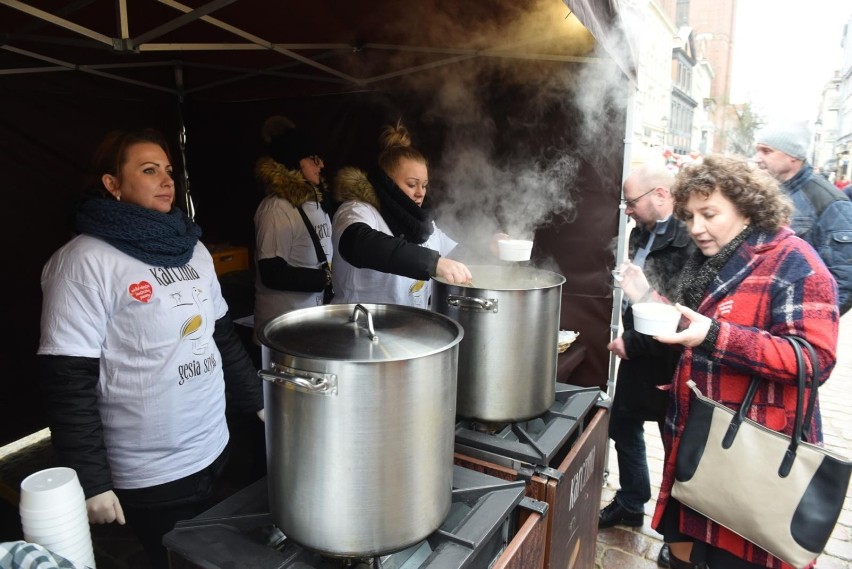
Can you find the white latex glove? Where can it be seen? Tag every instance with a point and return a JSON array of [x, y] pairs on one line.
[[692, 335], [261, 415], [105, 509], [632, 281], [453, 272]]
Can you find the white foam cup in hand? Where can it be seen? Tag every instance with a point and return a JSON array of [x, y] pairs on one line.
[[655, 318], [514, 249]]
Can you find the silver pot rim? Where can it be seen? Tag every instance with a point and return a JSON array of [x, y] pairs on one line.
[[345, 332], [507, 278]]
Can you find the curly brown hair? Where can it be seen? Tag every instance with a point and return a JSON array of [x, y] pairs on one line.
[[753, 192]]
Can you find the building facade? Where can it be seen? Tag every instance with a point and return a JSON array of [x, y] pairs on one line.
[[713, 26], [843, 144]]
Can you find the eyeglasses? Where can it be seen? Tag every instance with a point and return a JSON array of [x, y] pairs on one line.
[[632, 203]]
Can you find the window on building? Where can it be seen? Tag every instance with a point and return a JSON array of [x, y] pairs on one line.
[[682, 13]]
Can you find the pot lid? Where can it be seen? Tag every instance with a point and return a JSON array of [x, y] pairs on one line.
[[361, 332]]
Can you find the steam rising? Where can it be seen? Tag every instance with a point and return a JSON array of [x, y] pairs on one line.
[[517, 173]]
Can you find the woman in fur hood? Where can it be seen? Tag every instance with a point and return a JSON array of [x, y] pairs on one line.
[[386, 244], [292, 226]]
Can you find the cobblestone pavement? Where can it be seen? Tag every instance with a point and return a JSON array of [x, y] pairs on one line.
[[637, 548]]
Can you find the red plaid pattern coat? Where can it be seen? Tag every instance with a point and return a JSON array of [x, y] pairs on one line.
[[774, 285]]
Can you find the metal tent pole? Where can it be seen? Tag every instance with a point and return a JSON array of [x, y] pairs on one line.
[[620, 253]]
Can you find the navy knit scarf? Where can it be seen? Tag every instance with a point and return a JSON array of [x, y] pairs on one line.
[[155, 238]]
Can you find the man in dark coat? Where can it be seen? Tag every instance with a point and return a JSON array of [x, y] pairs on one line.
[[822, 216], [660, 244]]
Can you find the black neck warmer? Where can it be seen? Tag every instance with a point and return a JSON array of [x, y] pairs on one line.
[[404, 217]]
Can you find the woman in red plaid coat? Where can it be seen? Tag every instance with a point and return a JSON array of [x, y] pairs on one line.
[[751, 283]]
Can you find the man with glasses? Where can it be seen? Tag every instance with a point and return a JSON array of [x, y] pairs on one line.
[[660, 244]]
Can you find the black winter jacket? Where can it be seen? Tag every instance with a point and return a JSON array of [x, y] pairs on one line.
[[649, 362]]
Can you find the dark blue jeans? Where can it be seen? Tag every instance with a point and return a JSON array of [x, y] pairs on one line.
[[628, 433]]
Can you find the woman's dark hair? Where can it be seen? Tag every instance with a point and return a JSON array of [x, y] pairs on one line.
[[753, 192], [111, 155]]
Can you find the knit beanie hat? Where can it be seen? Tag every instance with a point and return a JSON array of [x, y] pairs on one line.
[[791, 138], [273, 126], [290, 145]]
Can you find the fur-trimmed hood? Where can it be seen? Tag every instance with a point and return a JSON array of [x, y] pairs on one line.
[[352, 184], [404, 218], [291, 185]]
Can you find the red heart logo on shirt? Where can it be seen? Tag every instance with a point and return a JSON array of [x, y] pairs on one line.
[[141, 291]]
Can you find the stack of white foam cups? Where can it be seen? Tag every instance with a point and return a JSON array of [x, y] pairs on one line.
[[53, 515]]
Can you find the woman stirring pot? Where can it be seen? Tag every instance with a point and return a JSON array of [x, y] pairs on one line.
[[386, 244]]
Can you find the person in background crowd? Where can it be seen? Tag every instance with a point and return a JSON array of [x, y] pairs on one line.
[[386, 244], [292, 226], [841, 182], [752, 282], [137, 348], [661, 245], [822, 216]]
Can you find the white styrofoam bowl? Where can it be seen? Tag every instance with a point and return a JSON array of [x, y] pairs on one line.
[[514, 249], [655, 318]]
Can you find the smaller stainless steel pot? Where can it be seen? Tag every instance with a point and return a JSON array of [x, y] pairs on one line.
[[507, 360]]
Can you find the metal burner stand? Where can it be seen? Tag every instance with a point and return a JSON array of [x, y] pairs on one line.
[[490, 524], [561, 457]]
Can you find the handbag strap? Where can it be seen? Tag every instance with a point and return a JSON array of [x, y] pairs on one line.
[[328, 291], [314, 237], [804, 414], [815, 382]]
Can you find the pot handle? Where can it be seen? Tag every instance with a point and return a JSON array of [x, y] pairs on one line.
[[305, 381], [472, 302], [354, 318]]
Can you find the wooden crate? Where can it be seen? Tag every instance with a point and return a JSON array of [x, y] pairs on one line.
[[228, 259]]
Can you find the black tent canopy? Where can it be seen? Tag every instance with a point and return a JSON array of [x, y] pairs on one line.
[[538, 86]]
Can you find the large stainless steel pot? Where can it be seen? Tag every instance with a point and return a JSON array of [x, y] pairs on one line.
[[507, 359], [360, 416]]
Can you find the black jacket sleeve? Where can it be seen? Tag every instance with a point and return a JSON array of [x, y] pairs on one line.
[[366, 248], [241, 379], [275, 273], [69, 389]]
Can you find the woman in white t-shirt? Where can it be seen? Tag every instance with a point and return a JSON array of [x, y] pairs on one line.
[[137, 346], [292, 226], [386, 244]]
